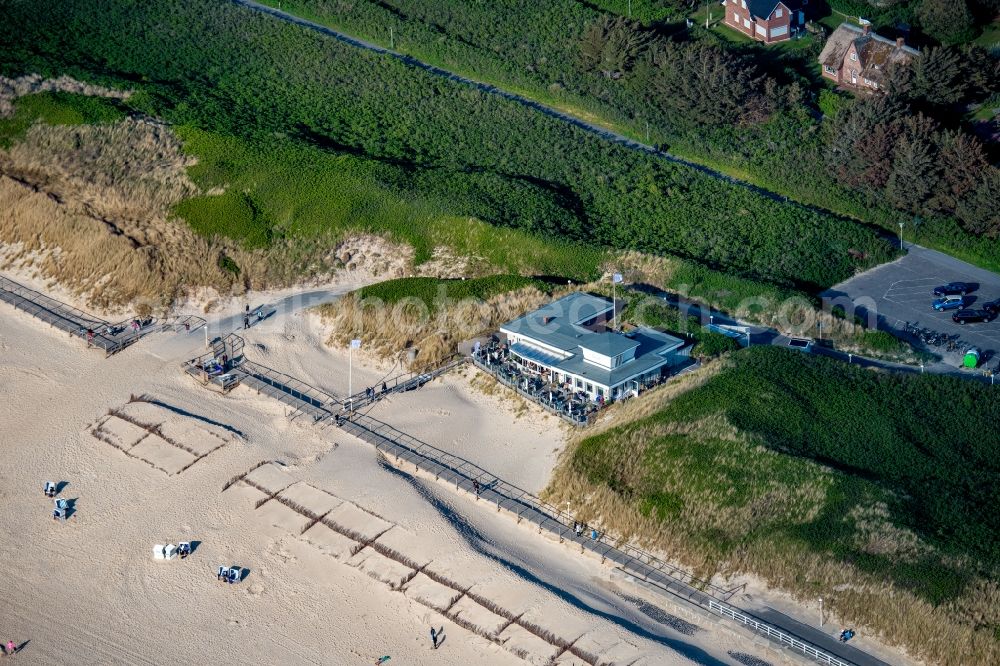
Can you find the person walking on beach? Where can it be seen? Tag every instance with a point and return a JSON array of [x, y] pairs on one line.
[[434, 638], [11, 648]]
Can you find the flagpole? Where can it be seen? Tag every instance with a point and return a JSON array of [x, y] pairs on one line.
[[614, 301], [350, 373]]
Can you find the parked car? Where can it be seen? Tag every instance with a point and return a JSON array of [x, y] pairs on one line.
[[948, 303], [951, 288], [993, 307], [971, 316]]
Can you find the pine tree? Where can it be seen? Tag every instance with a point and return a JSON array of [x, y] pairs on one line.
[[612, 45], [913, 174], [947, 21]]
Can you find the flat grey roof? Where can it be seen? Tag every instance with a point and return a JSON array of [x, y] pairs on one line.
[[557, 324]]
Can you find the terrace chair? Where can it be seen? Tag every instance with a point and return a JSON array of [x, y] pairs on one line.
[[50, 489]]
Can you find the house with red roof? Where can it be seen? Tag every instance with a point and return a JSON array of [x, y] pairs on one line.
[[766, 20], [855, 57]]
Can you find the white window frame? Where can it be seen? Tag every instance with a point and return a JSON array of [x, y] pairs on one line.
[[854, 57], [780, 31], [746, 23], [778, 13]]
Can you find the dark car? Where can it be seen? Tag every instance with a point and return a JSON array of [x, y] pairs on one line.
[[993, 307], [952, 288], [971, 316]]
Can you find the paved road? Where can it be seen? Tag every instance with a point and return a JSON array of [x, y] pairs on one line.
[[898, 292]]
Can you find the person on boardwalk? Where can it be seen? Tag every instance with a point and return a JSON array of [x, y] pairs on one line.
[[90, 336], [476, 486], [246, 320], [384, 389]]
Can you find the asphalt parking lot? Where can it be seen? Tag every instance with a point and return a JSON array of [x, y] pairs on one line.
[[900, 292]]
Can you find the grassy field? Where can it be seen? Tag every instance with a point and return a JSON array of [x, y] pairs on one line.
[[224, 71], [57, 108], [874, 491], [535, 50]]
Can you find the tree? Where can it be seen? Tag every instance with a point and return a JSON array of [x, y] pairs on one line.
[[963, 163], [913, 174], [947, 21], [612, 45], [939, 78], [702, 85], [978, 211]]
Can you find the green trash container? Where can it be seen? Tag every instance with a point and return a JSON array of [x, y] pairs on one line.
[[971, 359]]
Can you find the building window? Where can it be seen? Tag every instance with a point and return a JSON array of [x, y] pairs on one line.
[[579, 384], [746, 23], [590, 387], [779, 32], [854, 57], [829, 70], [761, 30], [744, 3], [778, 13]]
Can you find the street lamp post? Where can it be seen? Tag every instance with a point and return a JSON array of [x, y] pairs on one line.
[[901, 235], [821, 611]]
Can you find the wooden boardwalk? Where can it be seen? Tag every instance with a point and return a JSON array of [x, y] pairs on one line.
[[405, 450]]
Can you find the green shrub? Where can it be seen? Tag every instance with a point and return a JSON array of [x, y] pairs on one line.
[[57, 108], [230, 72]]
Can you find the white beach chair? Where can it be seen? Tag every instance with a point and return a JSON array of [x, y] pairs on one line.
[[62, 504], [170, 551], [158, 552], [234, 574], [50, 489]]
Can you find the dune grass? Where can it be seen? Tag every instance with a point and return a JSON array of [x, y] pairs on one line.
[[261, 193], [427, 315], [57, 108], [874, 491]]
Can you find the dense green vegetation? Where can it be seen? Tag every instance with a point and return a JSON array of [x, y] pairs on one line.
[[923, 446], [436, 293], [56, 108], [229, 72], [708, 344], [740, 107], [276, 190]]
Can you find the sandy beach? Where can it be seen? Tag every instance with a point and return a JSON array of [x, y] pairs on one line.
[[88, 589]]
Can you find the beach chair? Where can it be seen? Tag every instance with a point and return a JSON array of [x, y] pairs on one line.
[[234, 574], [58, 514], [223, 573], [50, 489], [170, 551], [62, 504], [158, 552], [184, 549]]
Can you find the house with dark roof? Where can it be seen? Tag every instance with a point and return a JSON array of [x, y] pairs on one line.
[[855, 57], [766, 20], [568, 343]]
